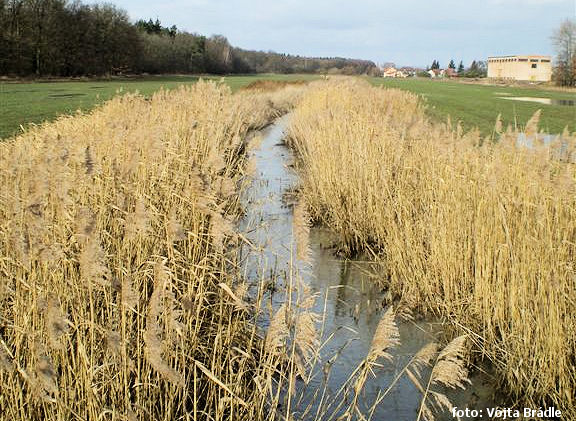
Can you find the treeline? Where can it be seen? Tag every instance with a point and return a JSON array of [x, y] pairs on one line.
[[54, 37], [270, 62], [476, 69], [63, 38]]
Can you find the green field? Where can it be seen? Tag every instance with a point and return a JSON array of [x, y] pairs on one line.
[[24, 103], [479, 105]]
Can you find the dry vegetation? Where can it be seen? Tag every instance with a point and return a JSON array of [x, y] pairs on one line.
[[272, 85], [122, 296], [481, 231], [119, 297]]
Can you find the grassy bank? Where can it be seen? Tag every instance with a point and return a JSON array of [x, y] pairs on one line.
[[479, 105], [483, 234], [25, 103]]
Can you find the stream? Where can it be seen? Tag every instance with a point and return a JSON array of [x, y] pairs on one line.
[[350, 301]]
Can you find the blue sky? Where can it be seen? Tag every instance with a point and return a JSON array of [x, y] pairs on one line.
[[406, 32]]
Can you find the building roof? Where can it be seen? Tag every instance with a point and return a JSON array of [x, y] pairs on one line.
[[519, 56]]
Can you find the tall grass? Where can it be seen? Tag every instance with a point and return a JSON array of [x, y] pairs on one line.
[[122, 295], [482, 231], [119, 298]]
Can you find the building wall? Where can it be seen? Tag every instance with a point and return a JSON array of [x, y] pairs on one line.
[[527, 68]]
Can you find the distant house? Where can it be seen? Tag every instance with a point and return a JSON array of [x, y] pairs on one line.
[[393, 72], [408, 71], [523, 68], [436, 73], [449, 72], [389, 72]]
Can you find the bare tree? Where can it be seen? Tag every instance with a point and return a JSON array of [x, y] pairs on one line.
[[565, 42], [218, 55]]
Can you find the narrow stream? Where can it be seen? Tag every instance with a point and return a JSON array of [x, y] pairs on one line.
[[348, 295]]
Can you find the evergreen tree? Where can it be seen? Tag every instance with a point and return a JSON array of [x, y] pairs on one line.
[[461, 67], [172, 31], [476, 69], [452, 65]]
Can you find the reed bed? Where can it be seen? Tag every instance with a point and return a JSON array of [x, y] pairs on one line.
[[119, 297], [122, 293], [481, 231], [272, 85]]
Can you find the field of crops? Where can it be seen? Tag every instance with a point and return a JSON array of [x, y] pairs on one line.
[[124, 295]]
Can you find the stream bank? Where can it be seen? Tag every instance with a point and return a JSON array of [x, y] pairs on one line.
[[348, 299]]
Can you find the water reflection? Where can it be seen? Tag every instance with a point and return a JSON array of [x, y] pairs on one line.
[[545, 101], [559, 147]]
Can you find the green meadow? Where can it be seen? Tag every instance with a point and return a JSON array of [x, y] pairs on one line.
[[479, 105], [22, 104]]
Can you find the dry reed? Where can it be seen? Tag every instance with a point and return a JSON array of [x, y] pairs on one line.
[[482, 231], [117, 295], [122, 299]]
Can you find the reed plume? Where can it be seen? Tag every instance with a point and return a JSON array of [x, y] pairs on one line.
[[301, 229], [306, 341], [450, 368], [450, 371], [386, 337], [137, 223], [5, 359], [154, 345], [93, 268], [277, 332], [174, 229], [56, 324]]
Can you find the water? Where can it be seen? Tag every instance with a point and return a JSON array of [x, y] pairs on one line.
[[559, 146], [348, 297], [545, 101]]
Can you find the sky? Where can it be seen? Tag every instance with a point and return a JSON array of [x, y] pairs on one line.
[[405, 32]]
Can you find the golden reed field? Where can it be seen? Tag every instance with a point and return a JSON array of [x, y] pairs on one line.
[[480, 231], [122, 294], [119, 300]]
